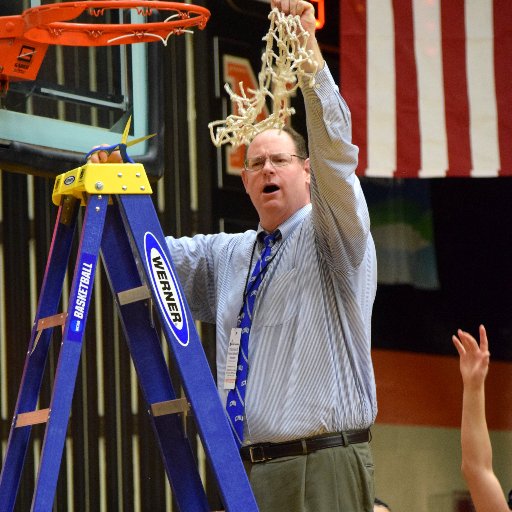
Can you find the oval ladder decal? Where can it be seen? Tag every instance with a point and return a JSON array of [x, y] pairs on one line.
[[167, 289]]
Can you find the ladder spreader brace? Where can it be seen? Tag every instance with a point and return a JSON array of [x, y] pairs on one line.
[[120, 221]]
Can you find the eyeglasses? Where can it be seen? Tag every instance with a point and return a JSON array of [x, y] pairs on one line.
[[257, 163]]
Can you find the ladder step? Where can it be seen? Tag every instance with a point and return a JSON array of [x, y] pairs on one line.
[[25, 419], [170, 407], [51, 321], [134, 295], [47, 323]]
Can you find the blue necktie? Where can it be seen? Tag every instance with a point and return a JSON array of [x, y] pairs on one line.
[[235, 404]]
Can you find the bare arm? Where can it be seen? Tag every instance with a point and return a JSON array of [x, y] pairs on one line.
[[485, 489]]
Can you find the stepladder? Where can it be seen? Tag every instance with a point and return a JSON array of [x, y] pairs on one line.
[[120, 229]]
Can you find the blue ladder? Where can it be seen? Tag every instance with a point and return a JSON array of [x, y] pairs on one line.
[[120, 221]]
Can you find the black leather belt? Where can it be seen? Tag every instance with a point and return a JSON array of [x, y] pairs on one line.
[[267, 451]]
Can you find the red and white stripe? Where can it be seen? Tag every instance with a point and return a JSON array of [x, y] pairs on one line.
[[428, 83]]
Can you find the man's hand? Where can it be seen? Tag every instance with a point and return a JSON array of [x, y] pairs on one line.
[[105, 157], [474, 359], [306, 12]]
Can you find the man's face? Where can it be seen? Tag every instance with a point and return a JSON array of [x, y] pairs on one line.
[[276, 192]]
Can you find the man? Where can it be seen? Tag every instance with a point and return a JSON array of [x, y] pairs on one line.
[[309, 366], [484, 487], [309, 390]]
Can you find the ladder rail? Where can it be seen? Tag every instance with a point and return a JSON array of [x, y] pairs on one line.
[[70, 352], [153, 374], [183, 340], [35, 362]]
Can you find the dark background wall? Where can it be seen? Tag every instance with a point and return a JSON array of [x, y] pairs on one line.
[[471, 219]]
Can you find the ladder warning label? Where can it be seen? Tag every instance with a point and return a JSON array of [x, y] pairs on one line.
[[167, 290], [80, 301]]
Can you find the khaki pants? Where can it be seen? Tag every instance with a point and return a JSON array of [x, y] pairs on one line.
[[336, 479]]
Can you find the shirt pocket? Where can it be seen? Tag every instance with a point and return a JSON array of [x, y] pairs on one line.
[[280, 301]]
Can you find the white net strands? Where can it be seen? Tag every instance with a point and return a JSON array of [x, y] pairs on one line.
[[281, 74]]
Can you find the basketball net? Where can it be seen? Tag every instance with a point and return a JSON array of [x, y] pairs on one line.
[[280, 76]]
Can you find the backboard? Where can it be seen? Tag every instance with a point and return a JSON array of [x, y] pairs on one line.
[[82, 97]]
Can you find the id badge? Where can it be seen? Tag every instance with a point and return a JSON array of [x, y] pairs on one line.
[[232, 358]]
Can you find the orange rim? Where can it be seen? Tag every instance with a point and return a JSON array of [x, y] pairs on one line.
[[49, 23]]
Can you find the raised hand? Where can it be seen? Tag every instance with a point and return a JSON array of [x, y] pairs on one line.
[[103, 156], [474, 358], [304, 10]]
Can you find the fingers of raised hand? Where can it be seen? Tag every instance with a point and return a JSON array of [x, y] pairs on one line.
[[458, 345], [294, 7], [467, 340], [467, 345], [484, 343]]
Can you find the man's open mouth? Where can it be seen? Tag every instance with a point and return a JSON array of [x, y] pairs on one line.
[[268, 189]]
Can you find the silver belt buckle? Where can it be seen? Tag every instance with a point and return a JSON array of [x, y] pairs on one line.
[[254, 456]]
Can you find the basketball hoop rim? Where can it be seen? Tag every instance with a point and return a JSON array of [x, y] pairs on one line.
[[45, 14], [49, 23]]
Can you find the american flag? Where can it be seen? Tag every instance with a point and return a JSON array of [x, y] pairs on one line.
[[429, 85]]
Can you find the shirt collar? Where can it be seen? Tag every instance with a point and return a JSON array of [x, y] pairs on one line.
[[287, 227]]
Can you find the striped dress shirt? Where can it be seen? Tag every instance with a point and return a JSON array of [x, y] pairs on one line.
[[310, 369]]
